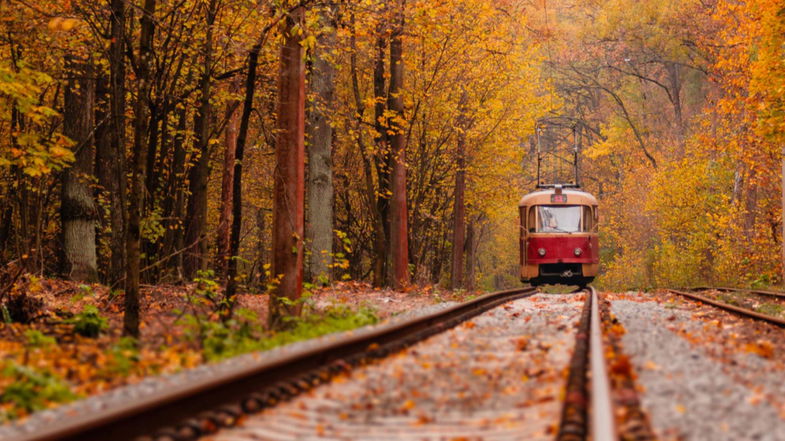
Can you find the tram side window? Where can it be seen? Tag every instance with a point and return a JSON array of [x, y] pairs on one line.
[[559, 218], [588, 219], [532, 221]]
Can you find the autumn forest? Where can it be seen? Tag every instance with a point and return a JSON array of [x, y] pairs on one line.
[[234, 150]]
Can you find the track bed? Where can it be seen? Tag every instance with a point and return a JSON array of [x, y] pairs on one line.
[[495, 377]]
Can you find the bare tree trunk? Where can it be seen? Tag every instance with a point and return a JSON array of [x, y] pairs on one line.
[[471, 258], [117, 183], [141, 122], [78, 209], [459, 207], [230, 150], [782, 221], [174, 199], [237, 178], [320, 136], [196, 215], [399, 231], [289, 210], [382, 236]]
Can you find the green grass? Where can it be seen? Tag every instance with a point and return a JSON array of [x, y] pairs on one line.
[[245, 332], [730, 299], [772, 309]]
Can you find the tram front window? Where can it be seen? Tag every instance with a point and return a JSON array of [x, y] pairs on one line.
[[559, 219]]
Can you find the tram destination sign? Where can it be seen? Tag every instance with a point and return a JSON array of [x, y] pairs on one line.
[[559, 198]]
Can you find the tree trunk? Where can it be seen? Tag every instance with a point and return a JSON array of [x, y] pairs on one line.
[[116, 186], [399, 231], [227, 179], [382, 236], [78, 209], [459, 212], [782, 220], [471, 258], [174, 200], [141, 122], [196, 215], [237, 179], [289, 210], [320, 136]]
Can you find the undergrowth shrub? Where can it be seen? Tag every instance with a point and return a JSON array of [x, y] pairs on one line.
[[37, 339], [244, 331], [31, 390], [123, 356], [89, 322]]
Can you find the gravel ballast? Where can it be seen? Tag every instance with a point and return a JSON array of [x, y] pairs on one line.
[[497, 376], [688, 394]]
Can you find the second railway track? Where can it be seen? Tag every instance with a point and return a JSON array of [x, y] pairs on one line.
[[745, 312]]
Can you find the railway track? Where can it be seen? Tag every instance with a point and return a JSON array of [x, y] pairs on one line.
[[733, 308], [196, 410], [588, 410]]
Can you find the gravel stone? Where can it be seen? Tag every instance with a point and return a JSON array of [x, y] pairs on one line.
[[498, 376], [688, 394]]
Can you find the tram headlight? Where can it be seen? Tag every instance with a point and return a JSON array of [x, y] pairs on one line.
[[541, 252], [578, 251]]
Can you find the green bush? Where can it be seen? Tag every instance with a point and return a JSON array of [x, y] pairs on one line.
[[32, 390], [123, 357], [89, 322], [37, 339]]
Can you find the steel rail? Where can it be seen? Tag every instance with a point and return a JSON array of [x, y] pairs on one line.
[[588, 409], [173, 407], [742, 311], [780, 295]]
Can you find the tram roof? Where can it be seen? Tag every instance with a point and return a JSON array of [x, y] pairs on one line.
[[543, 197]]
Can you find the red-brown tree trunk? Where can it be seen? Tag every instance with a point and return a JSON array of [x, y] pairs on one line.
[[289, 197], [399, 230]]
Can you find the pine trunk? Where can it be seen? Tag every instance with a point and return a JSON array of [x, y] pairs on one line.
[[78, 209], [288, 207], [320, 136]]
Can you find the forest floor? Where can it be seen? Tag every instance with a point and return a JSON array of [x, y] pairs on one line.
[[68, 343]]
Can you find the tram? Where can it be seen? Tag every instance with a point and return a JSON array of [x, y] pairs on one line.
[[559, 240]]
